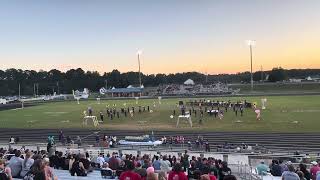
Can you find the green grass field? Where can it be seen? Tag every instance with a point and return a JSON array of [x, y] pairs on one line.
[[279, 116]]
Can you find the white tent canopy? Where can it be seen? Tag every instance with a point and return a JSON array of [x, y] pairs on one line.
[[189, 82]]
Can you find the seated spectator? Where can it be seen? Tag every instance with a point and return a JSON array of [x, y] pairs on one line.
[[141, 171], [301, 175], [37, 171], [303, 169], [61, 161], [71, 161], [47, 169], [206, 171], [156, 164], [224, 170], [78, 168], [204, 177], [5, 173], [130, 174], [107, 172], [193, 172], [318, 176], [105, 166], [146, 163], [15, 164], [229, 177], [85, 162], [283, 166], [162, 175], [314, 169], [165, 164], [121, 168], [106, 158], [152, 176], [262, 169], [100, 160], [275, 168], [213, 169], [26, 164], [290, 174], [114, 162], [150, 170], [177, 173]]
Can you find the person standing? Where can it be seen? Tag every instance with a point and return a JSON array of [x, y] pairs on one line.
[[90, 111], [262, 169], [101, 116], [207, 146], [97, 139], [241, 110], [61, 137], [11, 140], [185, 160]]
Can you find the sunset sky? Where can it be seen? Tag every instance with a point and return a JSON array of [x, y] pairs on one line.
[[174, 35]]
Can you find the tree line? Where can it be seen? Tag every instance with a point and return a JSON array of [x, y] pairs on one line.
[[46, 82]]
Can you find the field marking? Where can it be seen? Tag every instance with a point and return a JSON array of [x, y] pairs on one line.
[[15, 109], [307, 110], [61, 112], [32, 121]]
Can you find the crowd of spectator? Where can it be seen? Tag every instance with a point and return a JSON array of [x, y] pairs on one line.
[[288, 172], [28, 164], [163, 167]]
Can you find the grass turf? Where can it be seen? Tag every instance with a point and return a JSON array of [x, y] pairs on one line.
[[280, 115]]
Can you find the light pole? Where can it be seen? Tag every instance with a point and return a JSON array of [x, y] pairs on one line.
[[58, 87], [139, 53], [250, 44]]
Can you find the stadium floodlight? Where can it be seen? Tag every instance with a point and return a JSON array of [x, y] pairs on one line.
[[251, 43], [139, 52]]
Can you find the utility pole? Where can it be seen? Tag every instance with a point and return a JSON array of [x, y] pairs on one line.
[[140, 83], [250, 44], [58, 87], [37, 89], [19, 92], [261, 74], [251, 67], [206, 77], [139, 69], [34, 90]]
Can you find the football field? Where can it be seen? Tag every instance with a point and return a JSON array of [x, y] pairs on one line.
[[283, 114]]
